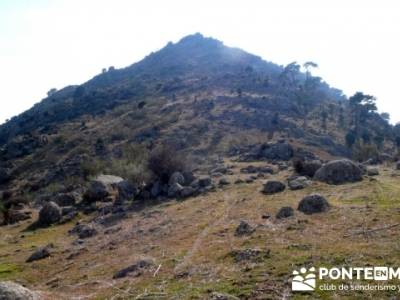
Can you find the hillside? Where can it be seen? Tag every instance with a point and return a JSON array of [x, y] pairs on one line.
[[154, 167]]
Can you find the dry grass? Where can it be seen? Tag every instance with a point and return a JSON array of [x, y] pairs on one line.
[[191, 240]]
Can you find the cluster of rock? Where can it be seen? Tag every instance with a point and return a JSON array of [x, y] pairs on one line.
[[107, 194], [134, 270], [310, 204], [14, 208], [257, 170], [268, 151], [220, 171], [180, 185], [252, 255], [244, 228]]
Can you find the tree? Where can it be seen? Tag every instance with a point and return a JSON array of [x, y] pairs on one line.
[[289, 78], [397, 141], [350, 138], [385, 116], [79, 91], [362, 106], [274, 125], [324, 117], [366, 136], [294, 86], [308, 66], [379, 139], [341, 117], [51, 92]]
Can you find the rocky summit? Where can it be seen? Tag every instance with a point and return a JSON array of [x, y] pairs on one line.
[[199, 172]]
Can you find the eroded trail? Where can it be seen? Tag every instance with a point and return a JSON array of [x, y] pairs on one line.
[[220, 219]]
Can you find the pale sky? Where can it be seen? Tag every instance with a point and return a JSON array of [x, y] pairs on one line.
[[54, 43]]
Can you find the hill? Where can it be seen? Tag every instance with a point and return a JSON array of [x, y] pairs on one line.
[[136, 182]]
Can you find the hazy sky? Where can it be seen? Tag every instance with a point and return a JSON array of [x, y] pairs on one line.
[[54, 43]]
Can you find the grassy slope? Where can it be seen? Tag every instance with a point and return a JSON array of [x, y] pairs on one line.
[[191, 240]]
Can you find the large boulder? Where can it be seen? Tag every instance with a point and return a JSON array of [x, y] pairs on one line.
[[224, 181], [87, 231], [189, 177], [176, 177], [41, 253], [204, 181], [187, 191], [109, 179], [135, 269], [372, 171], [68, 213], [97, 191], [244, 228], [13, 291], [273, 187], [339, 172], [314, 203], [298, 183], [398, 165], [126, 191], [309, 168], [219, 169], [102, 188], [84, 231], [49, 214], [175, 190], [285, 212]]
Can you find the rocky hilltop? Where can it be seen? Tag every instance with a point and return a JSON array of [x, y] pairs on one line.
[[200, 172]]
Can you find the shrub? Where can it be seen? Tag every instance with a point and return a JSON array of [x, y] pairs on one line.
[[350, 138], [164, 161], [132, 166], [298, 165], [136, 172], [92, 168], [363, 152]]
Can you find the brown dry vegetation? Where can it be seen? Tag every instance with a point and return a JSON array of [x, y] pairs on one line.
[[191, 241]]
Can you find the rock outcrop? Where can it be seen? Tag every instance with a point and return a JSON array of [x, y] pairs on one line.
[[49, 214], [339, 172], [273, 187], [13, 291], [313, 204]]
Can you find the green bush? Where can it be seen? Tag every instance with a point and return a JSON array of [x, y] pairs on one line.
[[363, 152], [164, 161], [131, 166]]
